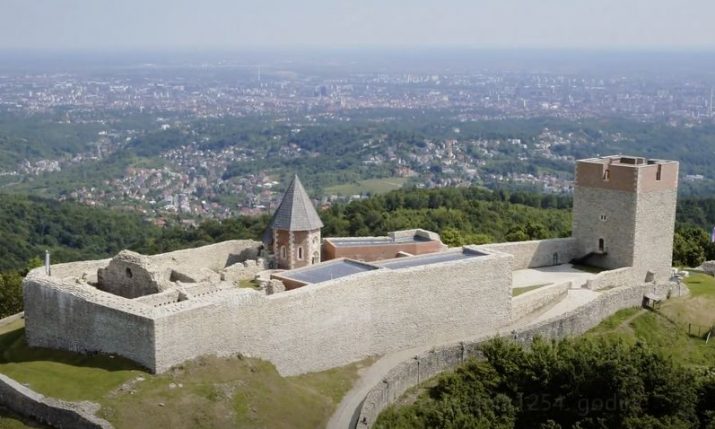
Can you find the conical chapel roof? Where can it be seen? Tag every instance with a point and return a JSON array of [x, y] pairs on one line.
[[296, 211]]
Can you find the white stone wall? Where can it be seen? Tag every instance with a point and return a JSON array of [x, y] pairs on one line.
[[537, 253], [51, 412], [334, 323], [413, 371], [654, 230], [79, 318], [607, 214], [529, 302], [612, 278]]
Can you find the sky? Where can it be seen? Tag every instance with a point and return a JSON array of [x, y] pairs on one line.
[[234, 24]]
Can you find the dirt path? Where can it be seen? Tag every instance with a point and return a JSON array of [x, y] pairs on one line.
[[626, 324], [346, 415]]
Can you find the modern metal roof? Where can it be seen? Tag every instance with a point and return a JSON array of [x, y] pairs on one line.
[[296, 211], [327, 271], [433, 258]]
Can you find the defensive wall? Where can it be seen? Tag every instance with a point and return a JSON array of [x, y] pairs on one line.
[[52, 412], [611, 278], [534, 300], [312, 328], [537, 253], [426, 365]]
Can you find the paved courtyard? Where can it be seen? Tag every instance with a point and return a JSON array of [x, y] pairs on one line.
[[547, 275]]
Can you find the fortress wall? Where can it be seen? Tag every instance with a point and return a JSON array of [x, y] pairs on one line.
[[536, 299], [52, 412], [214, 256], [426, 365], [654, 234], [76, 269], [81, 319], [537, 253], [334, 323], [612, 278]]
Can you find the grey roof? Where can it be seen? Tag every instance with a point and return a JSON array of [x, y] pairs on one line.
[[325, 271], [428, 259], [296, 211]]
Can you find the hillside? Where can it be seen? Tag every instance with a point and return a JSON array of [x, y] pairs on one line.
[[636, 369]]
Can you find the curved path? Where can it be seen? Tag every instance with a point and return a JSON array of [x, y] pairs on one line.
[[345, 416]]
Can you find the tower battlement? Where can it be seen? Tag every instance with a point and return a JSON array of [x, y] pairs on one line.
[[627, 173]]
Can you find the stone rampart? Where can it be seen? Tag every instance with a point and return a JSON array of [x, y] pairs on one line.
[[333, 323], [537, 253], [78, 318], [536, 299], [52, 412], [429, 364], [610, 279], [246, 270]]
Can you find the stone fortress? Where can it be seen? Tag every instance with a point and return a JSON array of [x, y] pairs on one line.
[[373, 295]]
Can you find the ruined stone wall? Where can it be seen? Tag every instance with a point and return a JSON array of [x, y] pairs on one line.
[[246, 270], [334, 323], [429, 364], [536, 299], [52, 412], [214, 257], [537, 253]]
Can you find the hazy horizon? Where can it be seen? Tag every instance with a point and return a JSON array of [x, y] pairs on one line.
[[162, 25]]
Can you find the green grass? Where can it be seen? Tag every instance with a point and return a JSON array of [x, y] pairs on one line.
[[248, 283], [371, 186], [615, 321], [9, 420], [701, 284], [666, 330], [522, 290], [209, 392], [61, 374]]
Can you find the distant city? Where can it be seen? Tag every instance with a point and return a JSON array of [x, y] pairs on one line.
[[196, 171]]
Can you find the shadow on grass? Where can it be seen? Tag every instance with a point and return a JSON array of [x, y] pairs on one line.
[[8, 419], [14, 350]]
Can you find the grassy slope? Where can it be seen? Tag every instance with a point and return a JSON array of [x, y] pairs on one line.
[[667, 329], [372, 186], [209, 392]]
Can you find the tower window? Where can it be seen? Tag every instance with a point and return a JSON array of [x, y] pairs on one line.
[[300, 253], [283, 252], [604, 217], [128, 273], [601, 245], [658, 173]]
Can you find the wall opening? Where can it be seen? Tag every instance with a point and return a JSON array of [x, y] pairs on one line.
[[128, 273], [300, 253], [315, 259], [659, 172], [283, 252], [601, 245], [555, 258]]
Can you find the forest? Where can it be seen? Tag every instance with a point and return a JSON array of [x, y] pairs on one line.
[[30, 225], [581, 383]]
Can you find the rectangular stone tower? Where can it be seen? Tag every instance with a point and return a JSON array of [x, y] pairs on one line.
[[624, 214]]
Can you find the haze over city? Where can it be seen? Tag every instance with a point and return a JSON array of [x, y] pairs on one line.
[[226, 24]]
